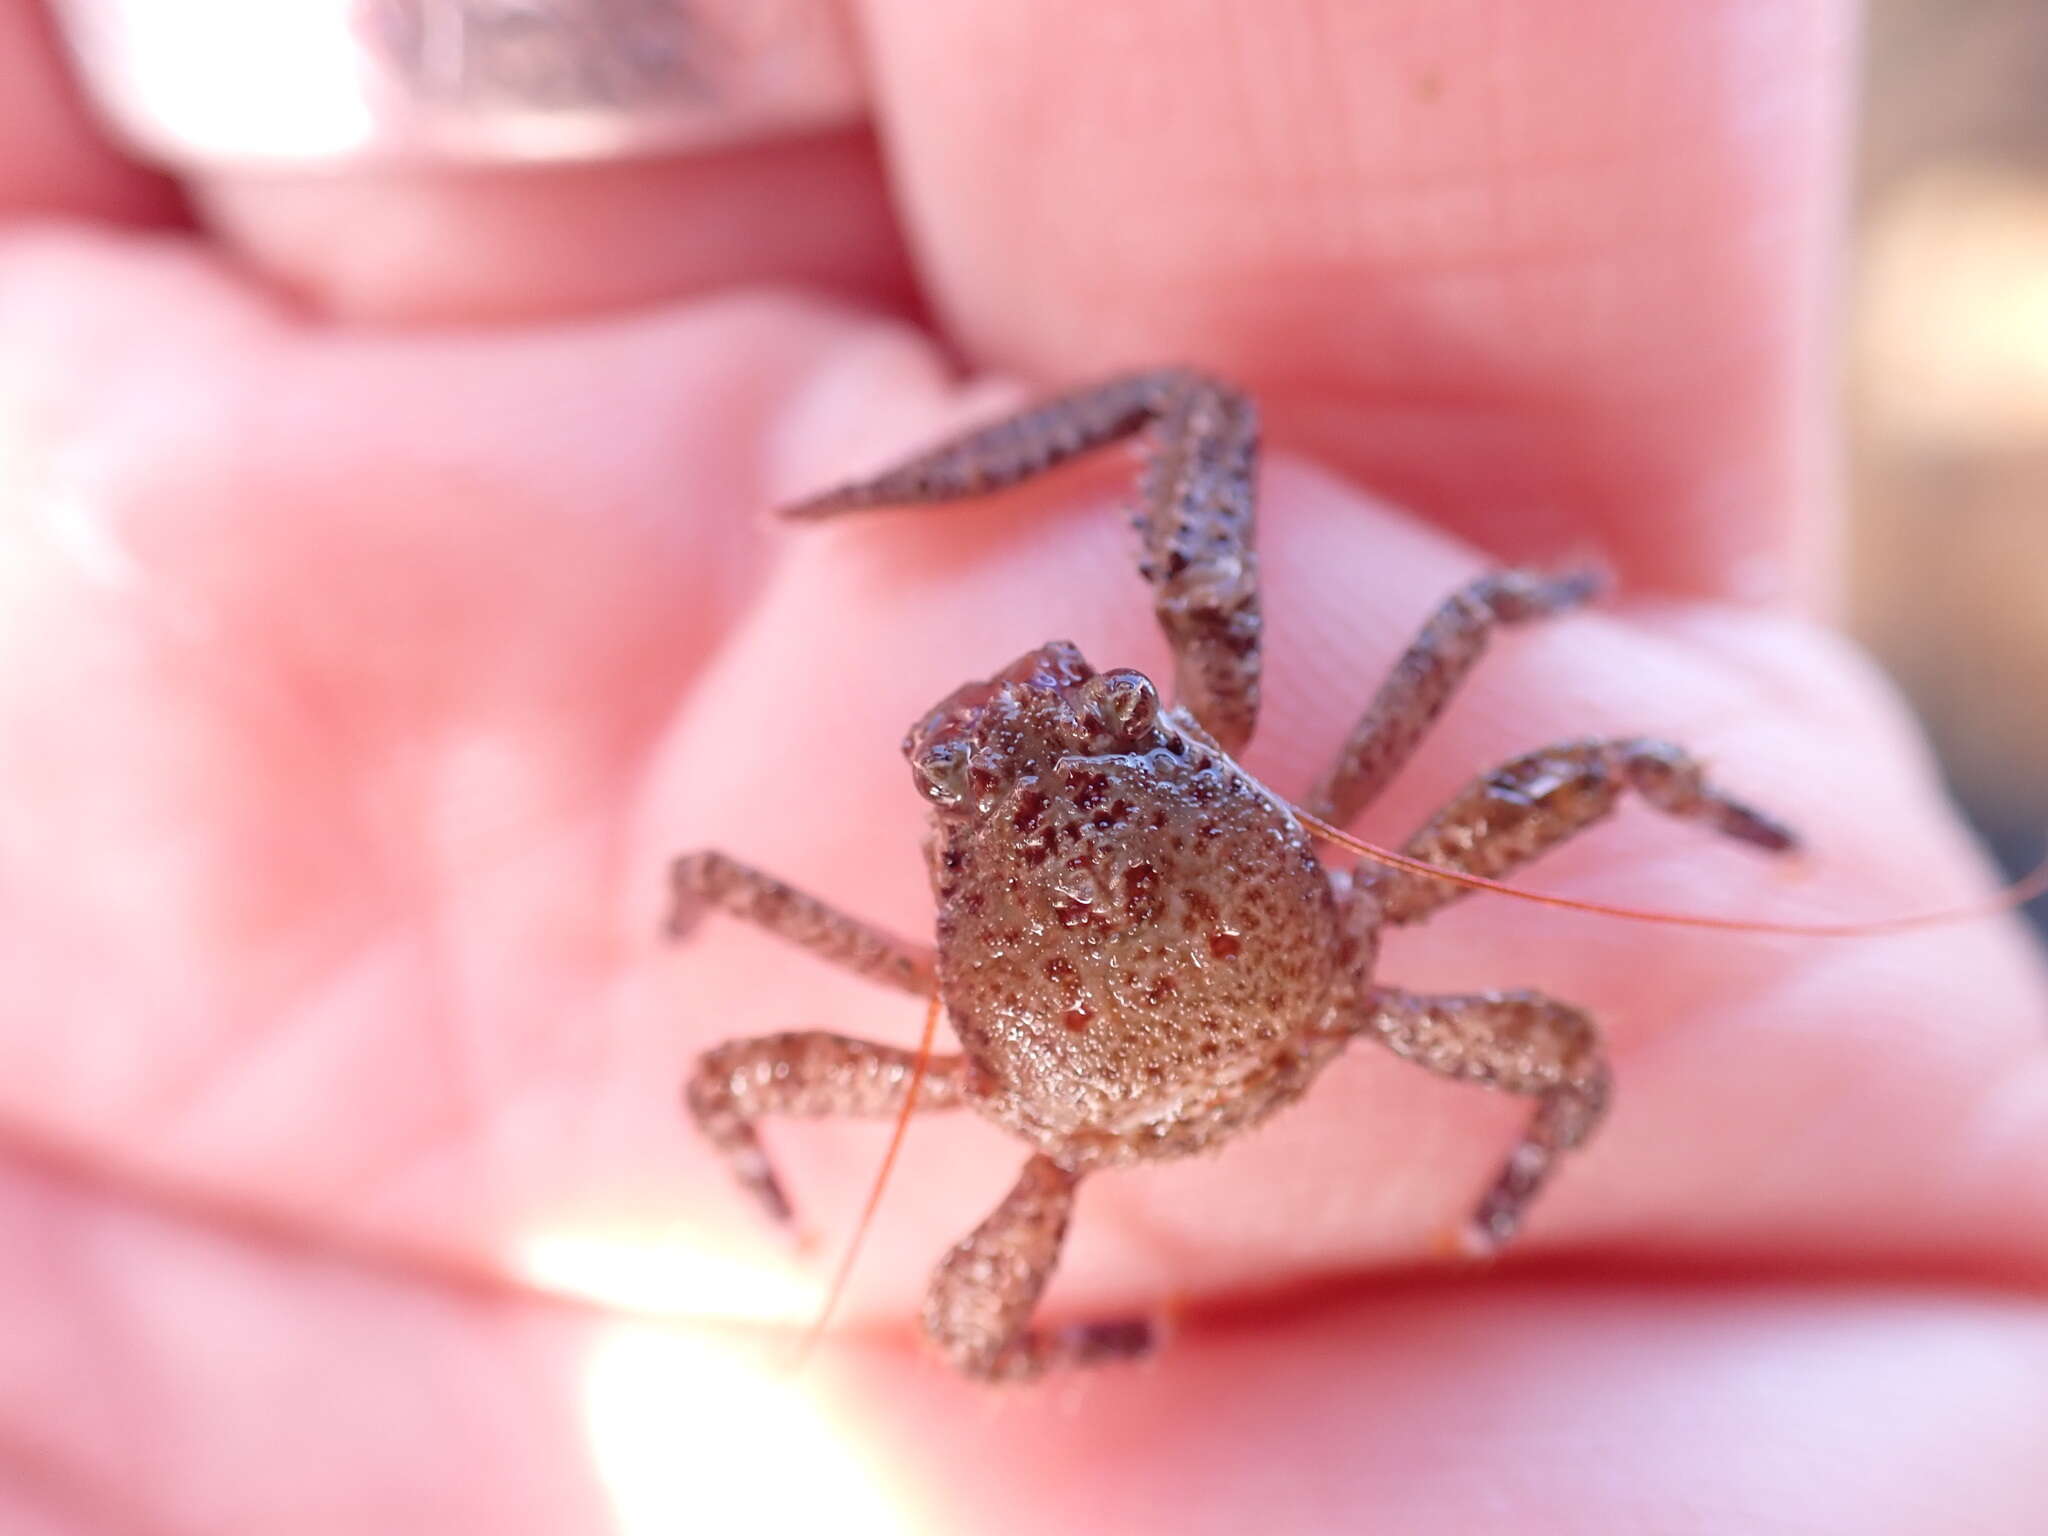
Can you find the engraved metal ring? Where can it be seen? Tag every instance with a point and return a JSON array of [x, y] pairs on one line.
[[284, 82]]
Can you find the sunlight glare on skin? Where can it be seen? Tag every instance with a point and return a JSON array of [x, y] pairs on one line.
[[79, 531], [692, 1433], [649, 1274]]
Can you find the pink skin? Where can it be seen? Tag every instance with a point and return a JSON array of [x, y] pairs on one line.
[[356, 684]]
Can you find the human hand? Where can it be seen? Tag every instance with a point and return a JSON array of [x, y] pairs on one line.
[[388, 596]]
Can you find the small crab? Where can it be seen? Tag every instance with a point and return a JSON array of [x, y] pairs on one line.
[[1137, 947]]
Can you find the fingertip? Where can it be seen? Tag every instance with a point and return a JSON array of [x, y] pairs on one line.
[[1530, 276]]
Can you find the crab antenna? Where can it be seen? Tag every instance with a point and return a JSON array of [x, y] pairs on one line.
[[2017, 894], [837, 1288]]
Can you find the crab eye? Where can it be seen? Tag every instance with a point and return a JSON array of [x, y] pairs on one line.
[[1125, 703], [942, 772]]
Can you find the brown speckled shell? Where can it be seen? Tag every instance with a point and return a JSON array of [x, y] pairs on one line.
[[1123, 935]]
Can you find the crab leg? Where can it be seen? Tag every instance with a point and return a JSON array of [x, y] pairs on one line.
[[1195, 513]]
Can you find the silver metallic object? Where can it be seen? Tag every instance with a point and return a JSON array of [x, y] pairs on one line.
[[258, 83]]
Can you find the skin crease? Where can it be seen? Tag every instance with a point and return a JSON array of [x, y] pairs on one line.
[[358, 677]]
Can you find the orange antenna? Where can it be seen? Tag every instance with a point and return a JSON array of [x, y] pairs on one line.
[[837, 1288], [2018, 894]]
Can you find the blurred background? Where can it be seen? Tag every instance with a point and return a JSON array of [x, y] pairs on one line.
[[1947, 381]]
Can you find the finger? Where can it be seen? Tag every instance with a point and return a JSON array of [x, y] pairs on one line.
[[1546, 275], [380, 1402], [416, 1408], [53, 159], [764, 175], [560, 524], [1507, 1408], [512, 244]]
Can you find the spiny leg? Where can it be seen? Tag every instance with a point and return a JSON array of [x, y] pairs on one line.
[[978, 1310], [1537, 801], [1195, 514], [808, 1073], [1519, 1042], [708, 878], [1428, 673]]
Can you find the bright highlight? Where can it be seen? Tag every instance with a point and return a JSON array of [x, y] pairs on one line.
[[693, 1434], [673, 1277]]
